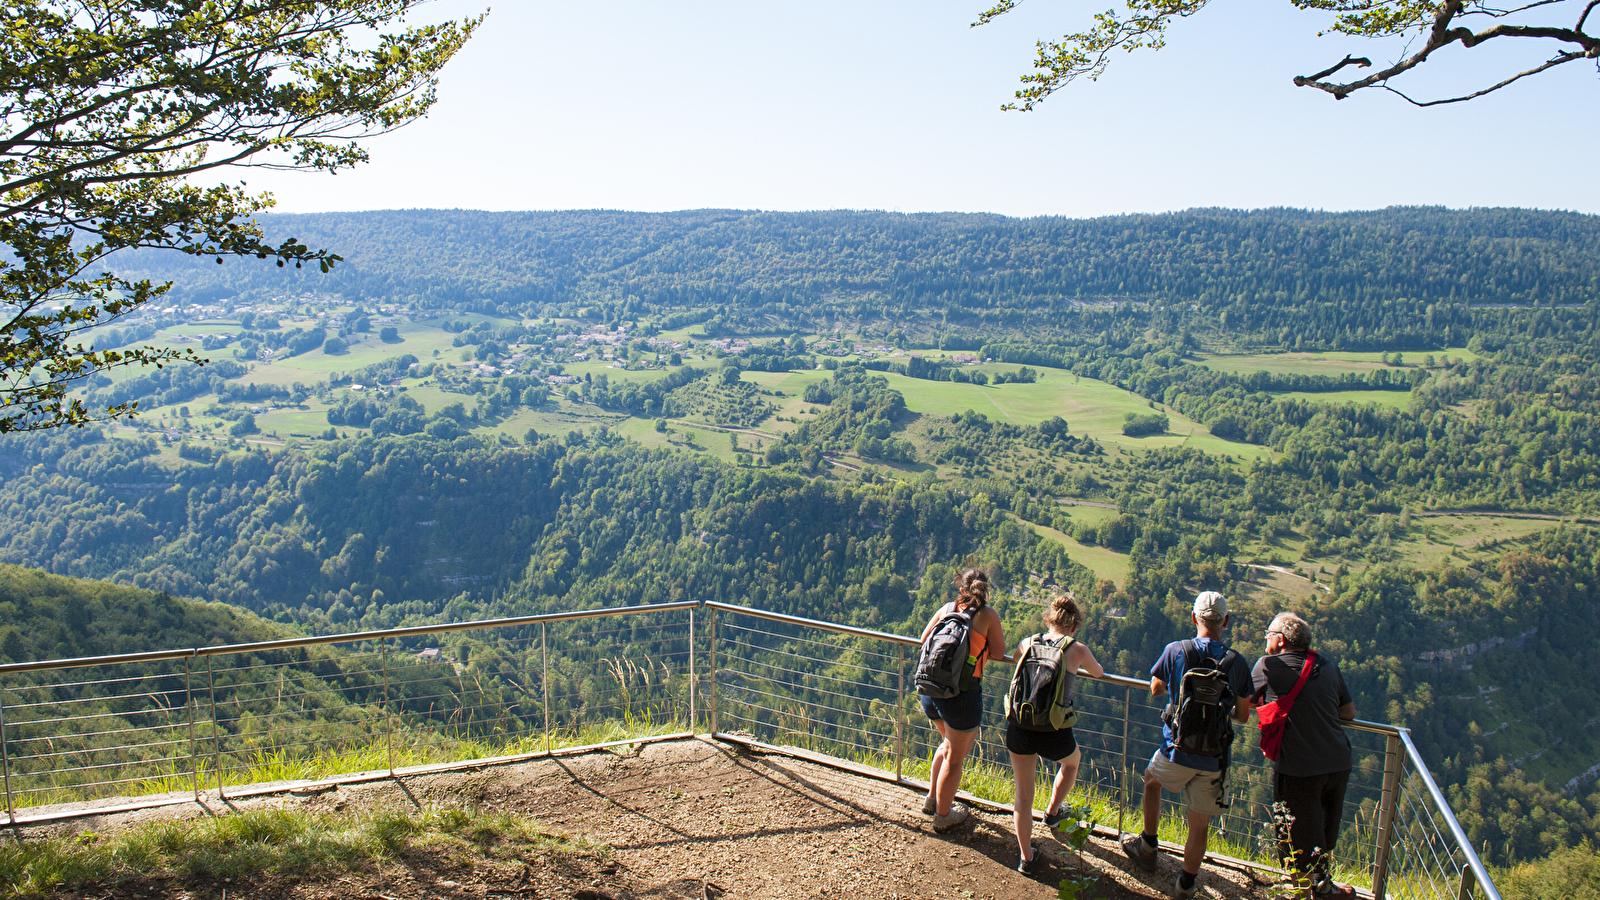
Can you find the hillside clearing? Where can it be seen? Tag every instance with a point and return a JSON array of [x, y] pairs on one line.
[[1332, 362], [1103, 562]]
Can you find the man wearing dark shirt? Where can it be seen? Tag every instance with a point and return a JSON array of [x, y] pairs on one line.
[[1313, 767]]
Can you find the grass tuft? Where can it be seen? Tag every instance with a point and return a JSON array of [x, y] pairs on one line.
[[283, 842]]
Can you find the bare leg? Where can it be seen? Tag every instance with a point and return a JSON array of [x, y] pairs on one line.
[[1194, 849], [1023, 768], [1066, 777], [1152, 803], [940, 755], [959, 743]]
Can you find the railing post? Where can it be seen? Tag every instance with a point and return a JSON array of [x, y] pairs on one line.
[[713, 661], [216, 728], [1125, 781], [388, 711], [194, 745], [5, 763], [900, 716], [1468, 882], [1387, 803], [694, 720], [544, 681]]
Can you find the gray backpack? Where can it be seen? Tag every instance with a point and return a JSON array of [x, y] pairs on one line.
[[946, 660]]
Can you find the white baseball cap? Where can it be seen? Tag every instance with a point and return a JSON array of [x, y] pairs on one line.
[[1211, 605]]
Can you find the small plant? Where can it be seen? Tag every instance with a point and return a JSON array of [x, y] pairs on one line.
[[1078, 879], [1295, 883]]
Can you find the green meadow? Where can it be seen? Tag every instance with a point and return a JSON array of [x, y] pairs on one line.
[[1471, 539], [1104, 563], [1091, 407], [1332, 362]]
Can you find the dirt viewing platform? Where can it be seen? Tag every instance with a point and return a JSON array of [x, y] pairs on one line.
[[675, 820]]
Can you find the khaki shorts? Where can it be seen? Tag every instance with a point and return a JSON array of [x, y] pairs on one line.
[[1203, 792]]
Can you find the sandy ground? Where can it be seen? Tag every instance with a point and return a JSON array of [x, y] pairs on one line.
[[685, 819]]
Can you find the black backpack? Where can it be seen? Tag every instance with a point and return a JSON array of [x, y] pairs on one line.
[[1038, 699], [1201, 720], [945, 664]]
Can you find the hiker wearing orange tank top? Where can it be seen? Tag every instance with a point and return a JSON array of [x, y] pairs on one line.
[[958, 717]]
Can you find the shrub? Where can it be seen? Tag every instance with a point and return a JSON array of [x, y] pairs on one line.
[[1137, 425]]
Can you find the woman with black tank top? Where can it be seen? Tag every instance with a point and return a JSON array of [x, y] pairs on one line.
[[1063, 618]]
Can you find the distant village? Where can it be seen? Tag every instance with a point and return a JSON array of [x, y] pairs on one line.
[[516, 348]]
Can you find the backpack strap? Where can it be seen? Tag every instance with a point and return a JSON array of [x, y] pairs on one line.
[[1227, 661], [1191, 655], [1022, 657]]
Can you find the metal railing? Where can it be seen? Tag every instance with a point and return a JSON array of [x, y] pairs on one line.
[[846, 692], [174, 726]]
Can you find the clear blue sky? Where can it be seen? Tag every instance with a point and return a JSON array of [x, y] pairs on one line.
[[893, 105]]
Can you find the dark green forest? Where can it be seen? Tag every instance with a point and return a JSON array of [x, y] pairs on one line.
[[1401, 278]]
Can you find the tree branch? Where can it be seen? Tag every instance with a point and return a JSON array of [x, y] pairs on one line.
[[1585, 16], [1358, 61], [1442, 34], [1562, 58]]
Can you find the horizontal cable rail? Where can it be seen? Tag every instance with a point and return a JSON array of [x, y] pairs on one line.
[[329, 709]]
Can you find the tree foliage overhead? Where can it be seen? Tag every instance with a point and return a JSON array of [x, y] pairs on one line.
[[107, 108], [1427, 26]]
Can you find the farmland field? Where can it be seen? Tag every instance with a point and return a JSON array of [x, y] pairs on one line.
[[1091, 408], [1332, 362]]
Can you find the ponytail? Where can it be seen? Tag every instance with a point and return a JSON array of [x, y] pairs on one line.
[[974, 587]]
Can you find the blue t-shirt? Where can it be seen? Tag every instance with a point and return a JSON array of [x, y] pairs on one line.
[[1170, 668]]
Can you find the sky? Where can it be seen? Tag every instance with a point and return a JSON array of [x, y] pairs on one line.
[[891, 105]]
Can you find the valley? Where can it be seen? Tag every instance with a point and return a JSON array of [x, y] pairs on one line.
[[1413, 469]]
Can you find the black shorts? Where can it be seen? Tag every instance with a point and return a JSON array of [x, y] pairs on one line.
[[963, 712], [1052, 745]]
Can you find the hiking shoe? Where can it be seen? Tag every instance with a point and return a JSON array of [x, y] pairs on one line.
[[1026, 866], [1179, 892], [1134, 846], [958, 814], [1053, 819], [929, 806]]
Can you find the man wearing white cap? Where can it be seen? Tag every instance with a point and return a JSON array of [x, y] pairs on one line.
[[1206, 684]]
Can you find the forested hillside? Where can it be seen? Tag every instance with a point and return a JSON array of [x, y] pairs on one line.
[[46, 616], [1398, 278]]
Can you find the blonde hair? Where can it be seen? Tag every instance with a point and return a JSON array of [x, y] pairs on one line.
[[1064, 614], [974, 587]]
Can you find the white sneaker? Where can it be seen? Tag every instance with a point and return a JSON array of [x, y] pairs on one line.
[[958, 814]]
